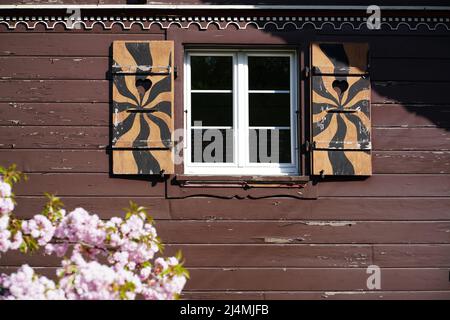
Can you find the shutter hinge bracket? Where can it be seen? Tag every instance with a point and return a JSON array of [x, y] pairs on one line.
[[309, 146], [175, 72], [306, 72]]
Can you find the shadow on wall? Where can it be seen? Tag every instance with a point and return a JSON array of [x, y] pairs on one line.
[[410, 70]]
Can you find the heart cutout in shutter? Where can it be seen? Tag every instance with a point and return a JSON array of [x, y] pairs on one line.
[[340, 86], [142, 86]]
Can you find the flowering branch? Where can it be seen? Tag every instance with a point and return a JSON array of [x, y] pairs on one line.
[[100, 259]]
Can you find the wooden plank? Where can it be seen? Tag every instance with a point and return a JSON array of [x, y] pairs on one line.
[[410, 69], [313, 231], [222, 295], [19, 137], [293, 209], [65, 44], [88, 137], [84, 68], [411, 162], [104, 206], [428, 139], [67, 114], [262, 209], [392, 185], [86, 184], [98, 91], [60, 160], [237, 256], [423, 185], [97, 114], [411, 255], [408, 46], [273, 255], [315, 279], [37, 160], [302, 279], [409, 92], [54, 90], [396, 115], [348, 295], [79, 42]]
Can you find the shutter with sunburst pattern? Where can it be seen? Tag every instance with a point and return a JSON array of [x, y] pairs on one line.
[[341, 125], [142, 111]]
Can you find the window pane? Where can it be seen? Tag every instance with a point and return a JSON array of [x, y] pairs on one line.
[[269, 109], [270, 146], [213, 109], [211, 73], [212, 145], [268, 73]]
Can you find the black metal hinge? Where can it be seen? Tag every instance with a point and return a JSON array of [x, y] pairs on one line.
[[309, 146], [306, 72]]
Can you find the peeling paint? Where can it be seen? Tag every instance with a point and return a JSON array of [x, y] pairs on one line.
[[334, 293], [330, 223], [282, 240]]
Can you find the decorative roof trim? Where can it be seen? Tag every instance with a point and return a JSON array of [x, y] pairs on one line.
[[223, 22], [218, 7]]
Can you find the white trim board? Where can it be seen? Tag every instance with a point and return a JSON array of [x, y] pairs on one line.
[[217, 7]]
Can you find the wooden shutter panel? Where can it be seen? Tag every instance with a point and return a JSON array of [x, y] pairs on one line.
[[142, 113], [341, 126]]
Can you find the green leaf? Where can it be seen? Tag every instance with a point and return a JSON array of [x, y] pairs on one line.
[[11, 175]]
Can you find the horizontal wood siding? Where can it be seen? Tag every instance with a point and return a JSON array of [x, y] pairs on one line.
[[55, 124]]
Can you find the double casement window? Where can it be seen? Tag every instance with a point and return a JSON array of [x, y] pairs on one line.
[[241, 113]]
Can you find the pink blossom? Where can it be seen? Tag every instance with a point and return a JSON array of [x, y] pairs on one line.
[[80, 226], [6, 205], [26, 285], [39, 228], [58, 249], [5, 190], [127, 244]]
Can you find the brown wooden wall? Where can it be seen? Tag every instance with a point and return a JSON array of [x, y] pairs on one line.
[[54, 123]]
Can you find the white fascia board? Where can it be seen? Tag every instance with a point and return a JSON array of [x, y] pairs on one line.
[[217, 7]]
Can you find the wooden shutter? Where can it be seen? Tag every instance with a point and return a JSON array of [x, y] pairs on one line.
[[341, 125], [142, 113]]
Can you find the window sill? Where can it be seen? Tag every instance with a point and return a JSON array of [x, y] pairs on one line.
[[241, 181], [241, 187]]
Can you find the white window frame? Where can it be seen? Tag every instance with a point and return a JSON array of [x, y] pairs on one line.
[[241, 164]]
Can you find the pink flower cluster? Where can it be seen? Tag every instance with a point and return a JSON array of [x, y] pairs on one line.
[[83, 280], [40, 228], [162, 286], [102, 259], [6, 201], [6, 207], [26, 285]]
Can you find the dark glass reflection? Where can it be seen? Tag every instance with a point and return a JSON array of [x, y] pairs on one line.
[[268, 73], [213, 109], [211, 73], [269, 109]]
